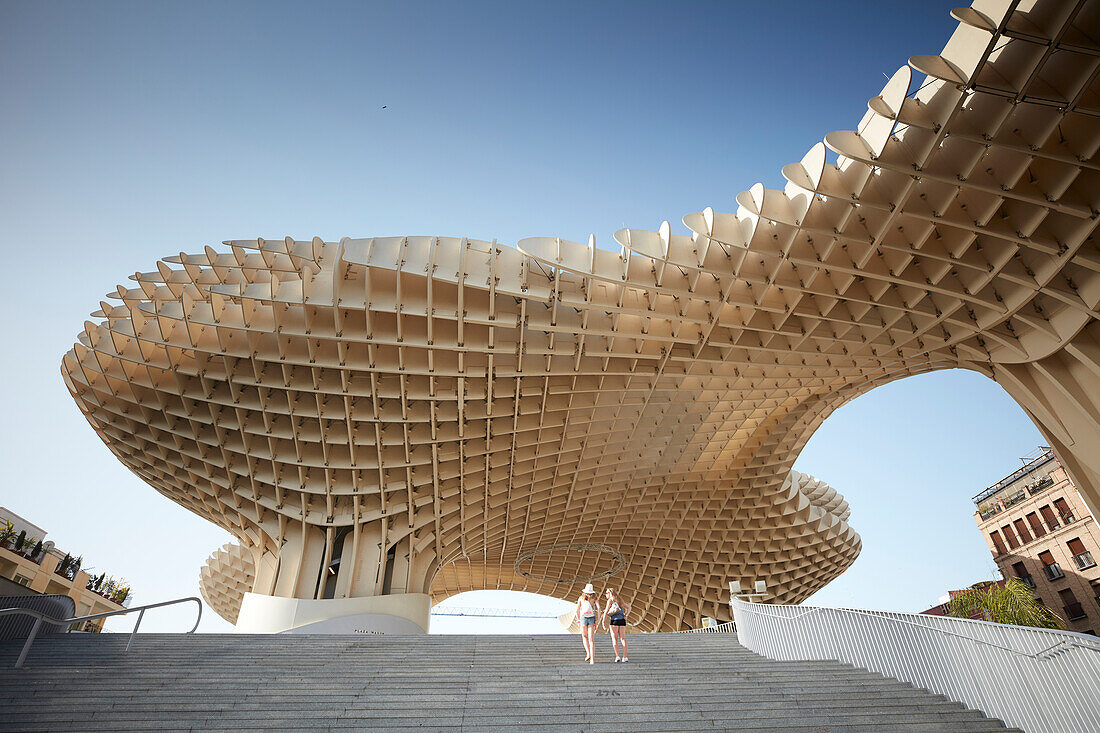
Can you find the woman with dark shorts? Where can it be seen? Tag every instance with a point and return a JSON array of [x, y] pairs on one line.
[[587, 613], [615, 613]]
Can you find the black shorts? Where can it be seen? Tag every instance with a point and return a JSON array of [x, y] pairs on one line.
[[618, 622]]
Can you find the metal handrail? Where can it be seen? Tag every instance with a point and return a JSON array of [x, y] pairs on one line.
[[40, 617], [726, 627], [1041, 654], [1031, 678]]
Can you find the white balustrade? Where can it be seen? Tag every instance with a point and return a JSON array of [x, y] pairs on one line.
[[1040, 680]]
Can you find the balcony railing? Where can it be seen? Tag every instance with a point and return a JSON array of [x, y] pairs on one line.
[[1053, 572], [1015, 499], [1041, 485], [1027, 580], [1075, 611], [1084, 560], [989, 512]]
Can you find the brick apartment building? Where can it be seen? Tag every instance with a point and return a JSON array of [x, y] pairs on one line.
[[1040, 531]]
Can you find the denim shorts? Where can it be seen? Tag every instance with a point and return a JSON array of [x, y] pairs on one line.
[[588, 621]]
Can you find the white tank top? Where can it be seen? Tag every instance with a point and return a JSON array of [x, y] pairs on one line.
[[586, 608]]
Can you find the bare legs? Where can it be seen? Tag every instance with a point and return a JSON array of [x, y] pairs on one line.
[[618, 638], [588, 635]]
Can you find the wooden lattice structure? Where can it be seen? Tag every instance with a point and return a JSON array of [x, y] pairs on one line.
[[445, 414], [224, 579]]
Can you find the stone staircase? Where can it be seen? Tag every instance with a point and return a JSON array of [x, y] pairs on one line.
[[672, 682]]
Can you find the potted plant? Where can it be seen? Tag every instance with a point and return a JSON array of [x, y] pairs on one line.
[[7, 531]]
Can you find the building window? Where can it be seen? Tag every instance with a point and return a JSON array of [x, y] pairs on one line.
[[1064, 510], [1048, 515], [998, 542], [1036, 525], [1021, 530], [1081, 556], [1023, 574], [22, 580], [1050, 567], [1074, 610], [1010, 536]]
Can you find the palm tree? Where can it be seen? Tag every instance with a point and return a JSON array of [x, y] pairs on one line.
[[1007, 603]]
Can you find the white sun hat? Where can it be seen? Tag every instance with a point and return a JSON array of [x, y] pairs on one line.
[[589, 589]]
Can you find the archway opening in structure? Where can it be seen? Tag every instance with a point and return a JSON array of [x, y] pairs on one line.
[[499, 612], [909, 456]]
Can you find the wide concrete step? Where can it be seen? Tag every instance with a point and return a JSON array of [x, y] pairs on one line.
[[541, 683]]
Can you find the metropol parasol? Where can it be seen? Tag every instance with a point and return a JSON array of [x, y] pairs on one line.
[[385, 422]]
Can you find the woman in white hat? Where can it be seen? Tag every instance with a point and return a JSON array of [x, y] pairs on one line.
[[587, 613]]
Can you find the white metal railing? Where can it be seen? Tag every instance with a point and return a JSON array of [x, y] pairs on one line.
[[1084, 560], [442, 610], [41, 617], [1040, 680], [727, 627]]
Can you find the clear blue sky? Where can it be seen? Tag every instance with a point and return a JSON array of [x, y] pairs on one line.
[[133, 131]]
